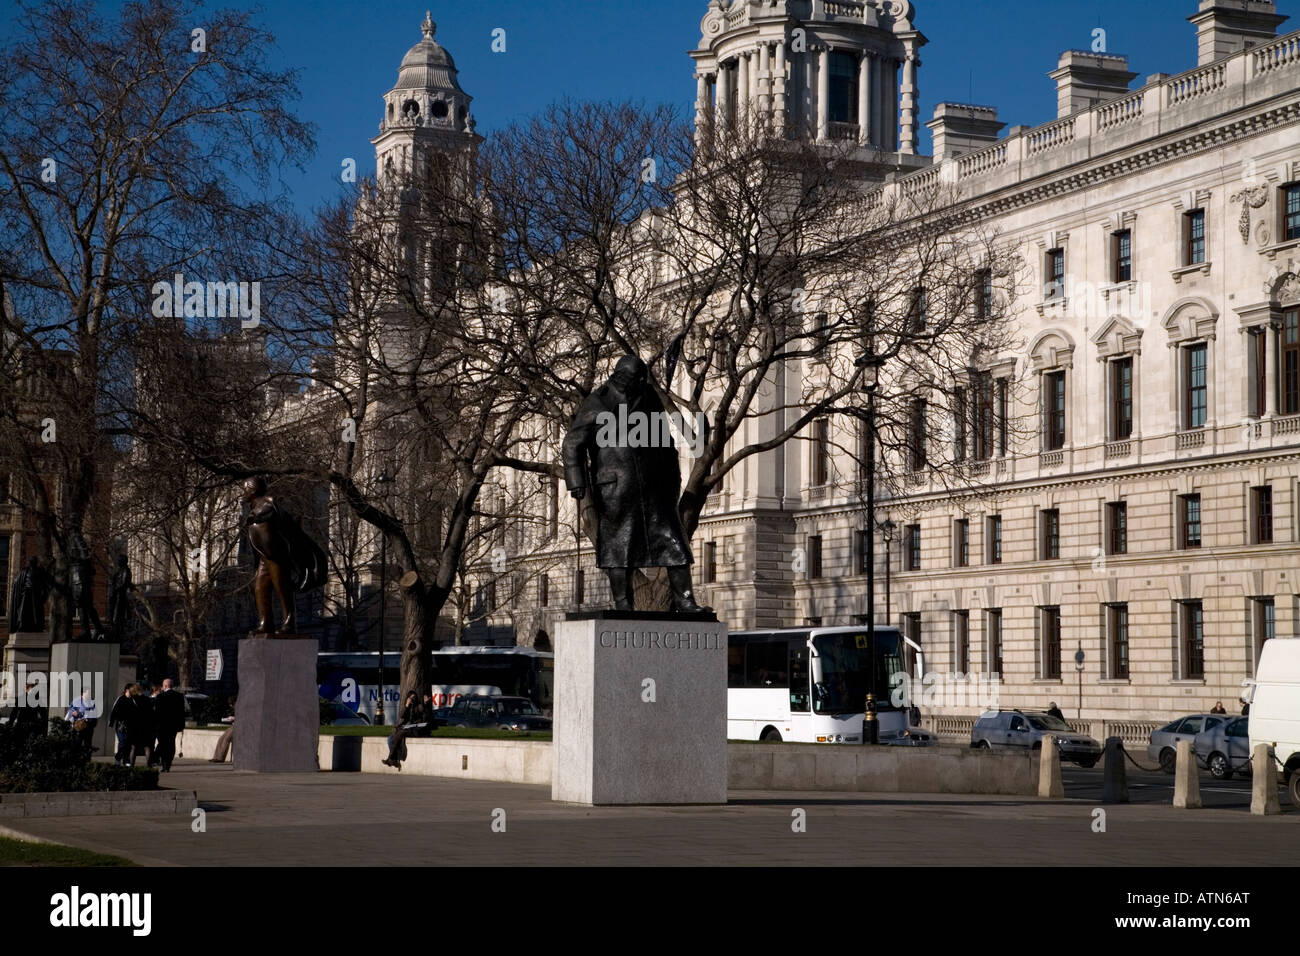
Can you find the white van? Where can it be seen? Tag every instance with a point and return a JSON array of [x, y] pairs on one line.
[[1275, 708]]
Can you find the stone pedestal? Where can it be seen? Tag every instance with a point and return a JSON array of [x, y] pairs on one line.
[[29, 648], [640, 709], [78, 666], [277, 716]]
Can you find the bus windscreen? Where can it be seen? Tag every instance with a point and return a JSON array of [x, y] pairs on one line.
[[850, 669]]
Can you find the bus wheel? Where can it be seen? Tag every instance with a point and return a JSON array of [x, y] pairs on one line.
[[1293, 787], [771, 735]]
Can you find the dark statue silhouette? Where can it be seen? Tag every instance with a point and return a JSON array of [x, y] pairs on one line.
[[635, 486], [27, 601], [288, 561]]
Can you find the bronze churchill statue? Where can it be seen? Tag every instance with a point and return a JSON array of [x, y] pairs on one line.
[[635, 482]]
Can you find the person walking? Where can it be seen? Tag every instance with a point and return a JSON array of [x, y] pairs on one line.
[[414, 722], [125, 718], [1054, 711], [169, 710], [147, 729], [83, 715]]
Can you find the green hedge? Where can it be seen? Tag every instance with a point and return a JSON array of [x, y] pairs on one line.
[[58, 762]]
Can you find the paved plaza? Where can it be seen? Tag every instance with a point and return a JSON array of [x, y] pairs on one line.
[[331, 819]]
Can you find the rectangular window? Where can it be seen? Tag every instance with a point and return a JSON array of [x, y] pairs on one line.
[[1117, 527], [579, 587], [961, 640], [1002, 416], [844, 88], [959, 424], [1050, 624], [710, 561], [984, 295], [1055, 274], [1117, 639], [1261, 514], [1193, 640], [1123, 271], [1049, 523], [1121, 399], [821, 452], [814, 556], [1189, 521], [1265, 623], [982, 392], [1289, 364], [912, 548], [1291, 212], [1054, 383], [993, 536], [961, 542], [1194, 230], [1194, 375], [920, 305], [916, 438], [993, 626], [544, 590]]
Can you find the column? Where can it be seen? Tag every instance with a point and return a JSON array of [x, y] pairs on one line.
[[1211, 383], [891, 75], [823, 92], [779, 91], [1270, 338], [864, 98], [702, 104], [723, 109], [765, 81], [742, 91], [880, 102], [909, 96], [1137, 397]]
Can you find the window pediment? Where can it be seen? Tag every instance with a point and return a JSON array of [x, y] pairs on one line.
[[1118, 336], [1052, 348], [1190, 319]]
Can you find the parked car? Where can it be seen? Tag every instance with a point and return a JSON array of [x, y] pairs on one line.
[[1225, 749], [911, 737], [1014, 728], [501, 713], [1163, 746], [338, 714], [1275, 708]]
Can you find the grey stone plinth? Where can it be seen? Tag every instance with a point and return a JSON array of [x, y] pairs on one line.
[[1187, 781], [277, 715], [1049, 769], [640, 712], [75, 666]]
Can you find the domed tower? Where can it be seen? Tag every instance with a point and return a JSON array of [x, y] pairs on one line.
[[426, 112], [825, 69]]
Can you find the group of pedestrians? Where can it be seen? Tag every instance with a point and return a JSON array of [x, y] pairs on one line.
[[146, 721]]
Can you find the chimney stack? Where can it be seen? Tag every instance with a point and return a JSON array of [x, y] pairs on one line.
[[960, 128], [1084, 79], [1225, 27]]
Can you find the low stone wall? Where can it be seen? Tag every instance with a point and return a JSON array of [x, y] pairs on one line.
[[197, 744], [506, 761], [880, 769], [145, 803]]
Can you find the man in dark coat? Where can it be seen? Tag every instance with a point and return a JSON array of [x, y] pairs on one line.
[[169, 708], [27, 606], [620, 449]]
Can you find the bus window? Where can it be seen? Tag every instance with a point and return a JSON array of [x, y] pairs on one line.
[[736, 665], [798, 678], [766, 663]]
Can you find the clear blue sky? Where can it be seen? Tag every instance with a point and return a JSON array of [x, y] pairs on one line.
[[991, 52]]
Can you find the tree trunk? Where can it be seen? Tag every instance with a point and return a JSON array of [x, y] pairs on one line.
[[421, 606]]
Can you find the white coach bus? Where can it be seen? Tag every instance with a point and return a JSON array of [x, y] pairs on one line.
[[810, 684]]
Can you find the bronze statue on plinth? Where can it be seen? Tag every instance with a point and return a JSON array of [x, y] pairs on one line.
[[633, 474], [81, 581], [27, 602], [287, 560]]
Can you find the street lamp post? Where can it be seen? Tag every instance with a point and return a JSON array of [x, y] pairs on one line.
[[870, 368], [887, 532], [383, 480], [1078, 666]]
